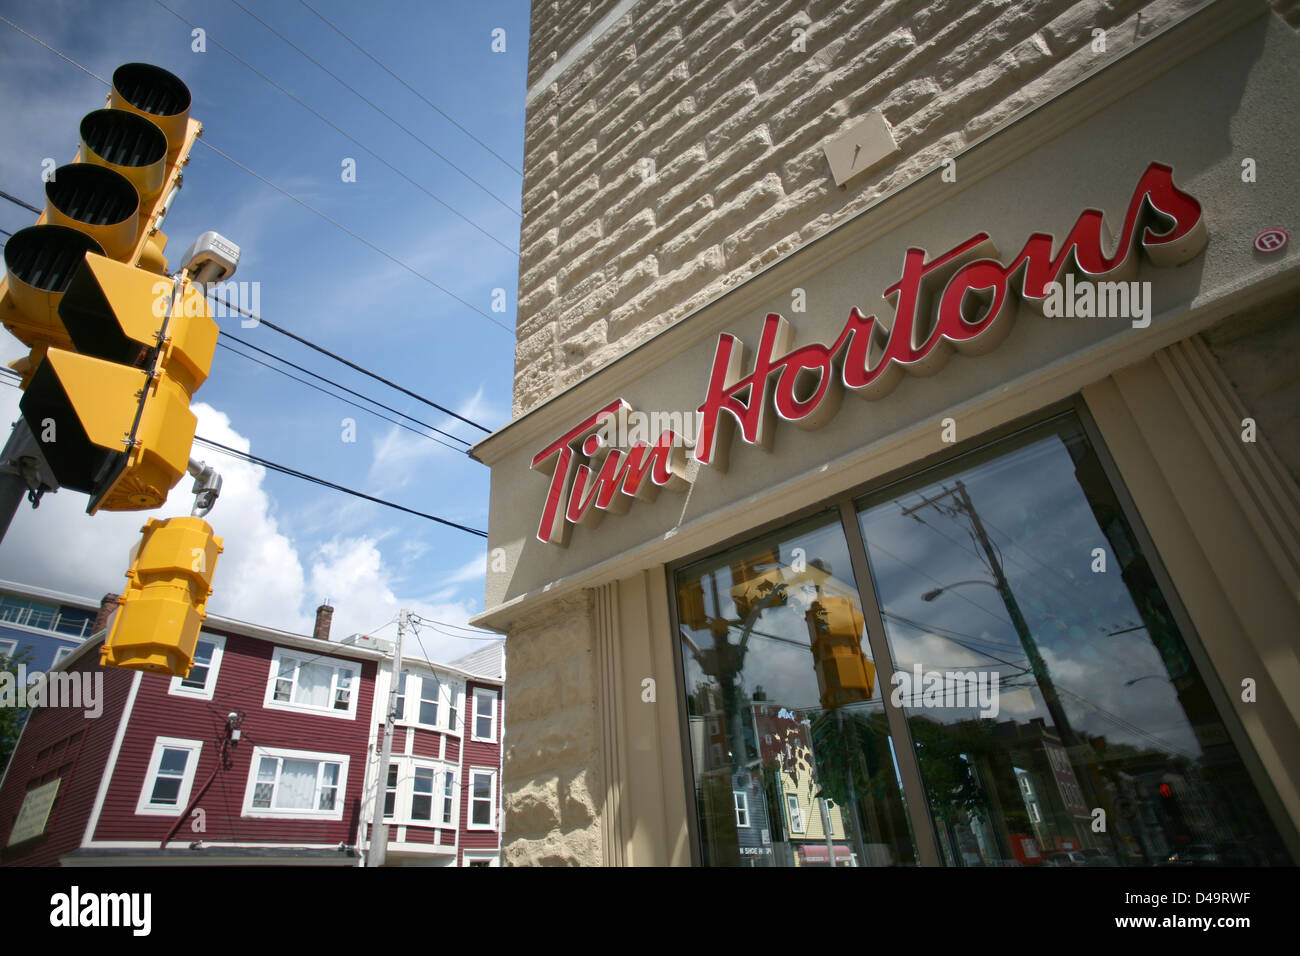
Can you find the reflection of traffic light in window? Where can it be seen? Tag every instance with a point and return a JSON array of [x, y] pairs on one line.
[[844, 675]]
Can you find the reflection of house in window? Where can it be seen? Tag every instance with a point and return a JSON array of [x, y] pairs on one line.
[[742, 807]]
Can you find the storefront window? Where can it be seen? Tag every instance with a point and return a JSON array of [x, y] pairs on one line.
[[792, 757], [1056, 713]]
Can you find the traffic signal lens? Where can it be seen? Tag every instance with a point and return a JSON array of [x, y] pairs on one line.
[[40, 262], [98, 201], [129, 144], [154, 93]]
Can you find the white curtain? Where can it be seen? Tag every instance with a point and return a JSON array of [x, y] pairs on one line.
[[297, 789], [314, 685]]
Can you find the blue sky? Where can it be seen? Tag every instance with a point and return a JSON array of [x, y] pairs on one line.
[[290, 544]]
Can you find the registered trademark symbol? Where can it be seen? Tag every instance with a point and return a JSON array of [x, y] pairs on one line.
[[1272, 240]]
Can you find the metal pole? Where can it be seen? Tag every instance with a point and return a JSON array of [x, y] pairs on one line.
[[379, 829], [23, 474]]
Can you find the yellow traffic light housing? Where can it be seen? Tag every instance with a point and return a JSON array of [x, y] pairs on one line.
[[844, 675], [113, 418], [162, 610]]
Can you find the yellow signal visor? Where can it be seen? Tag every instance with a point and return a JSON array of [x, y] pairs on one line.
[[165, 603], [81, 410], [161, 453]]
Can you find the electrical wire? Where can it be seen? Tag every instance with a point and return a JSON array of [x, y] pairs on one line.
[[426, 100], [341, 398], [334, 222], [305, 371], [338, 129], [366, 242], [352, 365], [376, 107], [15, 199], [284, 469]]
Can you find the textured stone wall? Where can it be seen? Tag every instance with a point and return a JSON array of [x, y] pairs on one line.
[[734, 118], [551, 786]]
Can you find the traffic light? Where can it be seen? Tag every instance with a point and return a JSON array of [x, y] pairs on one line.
[[844, 675], [113, 417], [116, 350], [157, 624], [110, 200]]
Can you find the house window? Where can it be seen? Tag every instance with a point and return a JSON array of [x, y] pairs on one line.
[[429, 701], [202, 678], [422, 794], [296, 783], [482, 784], [795, 813], [8, 648], [485, 714], [321, 685], [61, 655], [390, 792], [170, 777], [399, 707], [742, 808], [448, 781], [433, 701]]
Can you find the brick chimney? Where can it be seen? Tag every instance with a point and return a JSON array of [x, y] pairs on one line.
[[107, 605], [324, 615]]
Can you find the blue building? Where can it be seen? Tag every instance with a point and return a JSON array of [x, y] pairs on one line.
[[42, 627]]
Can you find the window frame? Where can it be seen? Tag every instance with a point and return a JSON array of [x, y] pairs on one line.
[[491, 693], [305, 657], [844, 506], [793, 811], [144, 805], [449, 691], [491, 774], [61, 655], [295, 813], [444, 778], [13, 646], [177, 687], [740, 804]]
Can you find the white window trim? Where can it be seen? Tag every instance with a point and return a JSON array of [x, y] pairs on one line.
[[214, 669], [741, 806], [269, 702], [451, 694], [492, 857], [798, 809], [8, 647], [143, 806], [295, 813], [62, 654], [469, 798], [491, 694], [404, 799]]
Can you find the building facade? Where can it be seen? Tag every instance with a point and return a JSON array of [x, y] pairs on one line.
[[266, 753], [42, 627], [917, 370], [442, 792]]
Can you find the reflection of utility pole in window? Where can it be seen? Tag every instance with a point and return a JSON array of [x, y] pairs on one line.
[[1037, 665]]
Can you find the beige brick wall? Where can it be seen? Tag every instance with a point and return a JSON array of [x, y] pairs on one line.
[[551, 784], [734, 120]]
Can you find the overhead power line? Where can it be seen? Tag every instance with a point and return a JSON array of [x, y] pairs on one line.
[[284, 192], [334, 222], [376, 107], [285, 470], [427, 101], [305, 371], [346, 401], [21, 202], [338, 129], [352, 365]]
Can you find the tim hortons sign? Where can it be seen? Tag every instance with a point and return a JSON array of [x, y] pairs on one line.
[[962, 299]]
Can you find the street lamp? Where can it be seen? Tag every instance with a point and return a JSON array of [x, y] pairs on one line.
[[931, 595]]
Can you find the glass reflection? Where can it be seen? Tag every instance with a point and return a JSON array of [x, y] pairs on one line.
[[792, 759], [1057, 715]]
